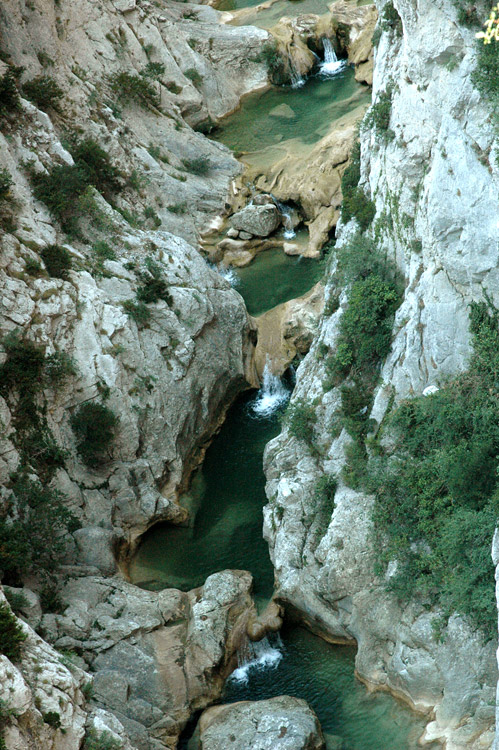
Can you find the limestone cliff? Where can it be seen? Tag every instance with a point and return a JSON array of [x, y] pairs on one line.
[[434, 183]]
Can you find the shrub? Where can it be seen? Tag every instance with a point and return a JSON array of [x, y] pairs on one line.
[[64, 187], [153, 286], [355, 202], [12, 635], [103, 251], [324, 492], [32, 528], [94, 426], [437, 492], [138, 311], [16, 599], [33, 267], [178, 208], [9, 95], [173, 87], [270, 56], [44, 92], [53, 719], [96, 168], [300, 419], [486, 73], [467, 13], [100, 741], [132, 87], [390, 19], [57, 261], [199, 165], [6, 183], [193, 75], [153, 70], [379, 114]]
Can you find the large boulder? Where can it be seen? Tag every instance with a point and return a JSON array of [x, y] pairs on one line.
[[282, 723], [257, 220]]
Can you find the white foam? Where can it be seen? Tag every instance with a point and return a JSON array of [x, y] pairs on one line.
[[260, 656], [271, 395]]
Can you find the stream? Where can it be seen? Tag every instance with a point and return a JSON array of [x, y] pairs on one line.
[[227, 493]]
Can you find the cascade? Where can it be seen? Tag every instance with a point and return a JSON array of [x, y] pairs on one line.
[[331, 64], [272, 394], [297, 81], [285, 211], [257, 656]]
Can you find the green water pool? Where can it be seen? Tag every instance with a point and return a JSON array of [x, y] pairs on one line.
[[267, 17], [322, 674], [228, 492], [283, 120], [274, 277]]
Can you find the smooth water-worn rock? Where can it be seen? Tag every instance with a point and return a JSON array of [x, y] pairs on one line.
[[282, 723], [257, 220]]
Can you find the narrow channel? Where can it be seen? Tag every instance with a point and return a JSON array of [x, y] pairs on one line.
[[227, 493]]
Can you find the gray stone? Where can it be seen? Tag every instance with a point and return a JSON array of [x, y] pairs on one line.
[[245, 235], [257, 220], [282, 723]]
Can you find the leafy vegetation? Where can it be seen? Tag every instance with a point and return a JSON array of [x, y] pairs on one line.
[[486, 74], [64, 187], [138, 311], [300, 419], [100, 741], [6, 183], [94, 426], [374, 293], [132, 87], [193, 75], [269, 55], [12, 636], [355, 202], [437, 492], [199, 165], [5, 715], [44, 92], [378, 116], [390, 19], [57, 261], [9, 94]]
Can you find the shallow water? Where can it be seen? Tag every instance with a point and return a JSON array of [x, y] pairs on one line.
[[274, 277], [265, 18], [282, 120], [229, 493], [323, 675]]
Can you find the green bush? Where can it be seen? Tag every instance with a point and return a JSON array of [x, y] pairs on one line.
[[64, 188], [138, 311], [100, 741], [324, 492], [94, 426], [355, 203], [57, 261], [437, 492], [486, 73], [53, 719], [193, 75], [378, 116], [16, 599], [9, 95], [44, 92], [153, 287], [467, 13], [6, 183], [270, 56], [178, 208], [12, 635], [32, 528], [300, 419], [390, 19], [199, 165], [153, 70], [132, 87]]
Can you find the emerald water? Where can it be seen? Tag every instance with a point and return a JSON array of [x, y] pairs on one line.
[[274, 277], [265, 15], [283, 120], [322, 674], [228, 493]]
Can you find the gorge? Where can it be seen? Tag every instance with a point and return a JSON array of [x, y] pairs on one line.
[[156, 159]]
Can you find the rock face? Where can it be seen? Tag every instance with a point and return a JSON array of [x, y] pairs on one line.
[[423, 181], [282, 723], [257, 220], [154, 657]]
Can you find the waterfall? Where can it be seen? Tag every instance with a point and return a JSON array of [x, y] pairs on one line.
[[285, 212], [331, 64], [296, 79], [272, 394], [228, 273], [257, 657]]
